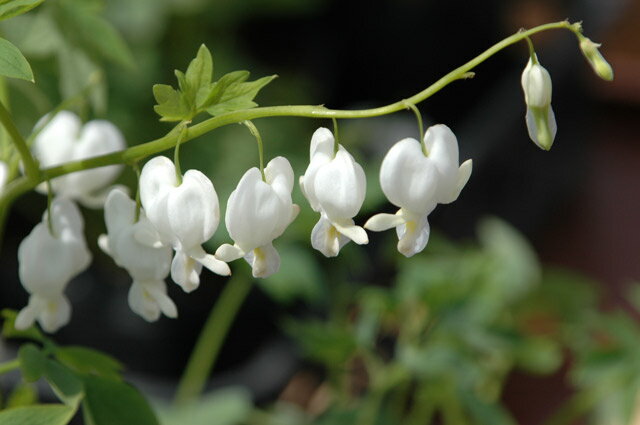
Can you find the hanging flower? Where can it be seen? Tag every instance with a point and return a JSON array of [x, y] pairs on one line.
[[335, 186], [64, 139], [48, 261], [185, 216], [258, 212], [148, 265], [541, 121], [416, 183]]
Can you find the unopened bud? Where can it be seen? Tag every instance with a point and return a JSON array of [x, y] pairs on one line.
[[599, 64], [541, 122]]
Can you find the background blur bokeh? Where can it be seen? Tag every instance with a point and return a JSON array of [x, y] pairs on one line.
[[578, 204]]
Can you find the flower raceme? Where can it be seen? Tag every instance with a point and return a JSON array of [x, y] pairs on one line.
[[63, 139], [257, 213], [416, 183], [148, 265], [541, 121], [49, 258], [185, 216], [335, 186]]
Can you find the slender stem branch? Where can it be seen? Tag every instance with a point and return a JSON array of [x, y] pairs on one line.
[[336, 137], [9, 366], [141, 151], [31, 167], [182, 133], [213, 334], [418, 115], [254, 131]]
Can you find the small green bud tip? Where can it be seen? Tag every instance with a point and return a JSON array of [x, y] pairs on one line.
[[599, 64]]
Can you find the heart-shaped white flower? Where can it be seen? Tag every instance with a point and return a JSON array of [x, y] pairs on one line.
[[63, 139], [185, 216], [48, 261], [257, 213], [416, 183], [335, 186], [148, 265]]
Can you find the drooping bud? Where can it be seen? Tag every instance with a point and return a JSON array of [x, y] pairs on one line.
[[598, 63], [537, 88]]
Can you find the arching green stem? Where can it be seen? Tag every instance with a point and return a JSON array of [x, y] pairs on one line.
[[30, 165], [254, 131]]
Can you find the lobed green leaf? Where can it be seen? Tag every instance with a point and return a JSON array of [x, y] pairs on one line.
[[44, 414], [11, 8], [109, 402], [12, 63]]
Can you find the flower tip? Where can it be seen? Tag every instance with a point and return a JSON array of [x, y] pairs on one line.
[[598, 63]]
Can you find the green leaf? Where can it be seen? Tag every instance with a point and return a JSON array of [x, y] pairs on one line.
[[218, 89], [9, 330], [199, 72], [325, 342], [63, 381], [81, 25], [88, 361], [237, 95], [44, 414], [23, 395], [17, 7], [32, 362], [109, 402], [171, 104], [229, 406], [12, 63]]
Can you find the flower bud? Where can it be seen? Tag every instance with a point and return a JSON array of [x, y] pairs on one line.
[[541, 122], [599, 64]]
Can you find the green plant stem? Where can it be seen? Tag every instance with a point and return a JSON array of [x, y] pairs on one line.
[[141, 151], [256, 134], [336, 137], [30, 166], [9, 366], [418, 115], [210, 340]]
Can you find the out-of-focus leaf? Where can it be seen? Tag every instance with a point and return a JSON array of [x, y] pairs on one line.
[[77, 72], [13, 8], [23, 395], [324, 342], [483, 412], [539, 355], [298, 278], [230, 406], [88, 361], [46, 414], [42, 38], [32, 362], [110, 402], [9, 330], [12, 63], [517, 268], [64, 382], [82, 26]]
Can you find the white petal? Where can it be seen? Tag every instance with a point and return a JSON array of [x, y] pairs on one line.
[[4, 174], [326, 239], [55, 314], [142, 303], [146, 234], [229, 253], [279, 175], [264, 261], [541, 125], [54, 143], [321, 143], [380, 222], [27, 316], [158, 176], [408, 178], [119, 211], [193, 210], [340, 186], [209, 261], [103, 244], [442, 146], [350, 230], [536, 84], [413, 235], [185, 271]]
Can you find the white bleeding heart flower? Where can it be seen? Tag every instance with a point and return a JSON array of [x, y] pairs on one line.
[[4, 174], [541, 121], [335, 186], [148, 265], [416, 183], [185, 216], [64, 139], [257, 213], [48, 262]]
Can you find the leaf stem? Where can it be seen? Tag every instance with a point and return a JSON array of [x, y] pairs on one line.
[[207, 348], [31, 167]]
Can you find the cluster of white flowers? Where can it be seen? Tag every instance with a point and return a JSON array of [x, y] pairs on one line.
[[181, 212]]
